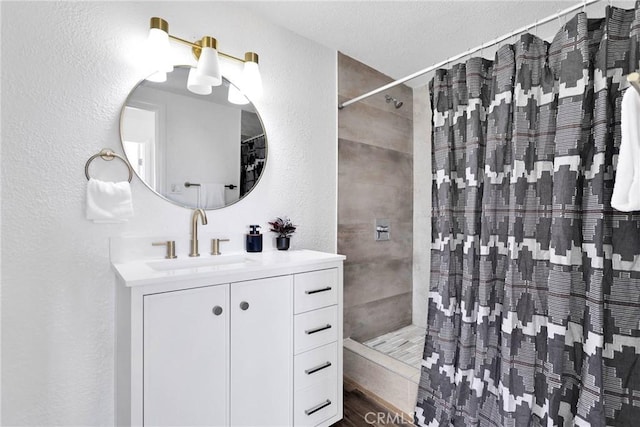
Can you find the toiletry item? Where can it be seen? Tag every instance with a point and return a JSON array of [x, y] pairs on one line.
[[254, 239]]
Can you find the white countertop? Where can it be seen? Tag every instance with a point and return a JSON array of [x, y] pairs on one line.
[[221, 268]]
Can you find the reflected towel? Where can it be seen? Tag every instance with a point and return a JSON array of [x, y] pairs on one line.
[[626, 190], [109, 202], [211, 195]]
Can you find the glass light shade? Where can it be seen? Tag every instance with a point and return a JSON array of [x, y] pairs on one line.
[[158, 77], [209, 67], [159, 50], [196, 84], [236, 97], [251, 80]]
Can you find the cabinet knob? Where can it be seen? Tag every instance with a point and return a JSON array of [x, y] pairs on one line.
[[244, 305], [217, 310]]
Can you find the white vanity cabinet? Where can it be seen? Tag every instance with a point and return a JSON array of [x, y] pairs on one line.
[[261, 352], [185, 357], [190, 337], [318, 387], [252, 346]]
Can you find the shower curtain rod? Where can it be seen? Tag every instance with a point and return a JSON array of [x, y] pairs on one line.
[[493, 42]]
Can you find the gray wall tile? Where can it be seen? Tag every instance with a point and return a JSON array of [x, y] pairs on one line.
[[369, 201], [375, 180], [370, 281], [355, 241], [361, 122], [421, 205], [372, 319], [356, 78], [367, 163]]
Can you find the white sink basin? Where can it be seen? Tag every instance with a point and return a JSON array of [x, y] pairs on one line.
[[211, 261]]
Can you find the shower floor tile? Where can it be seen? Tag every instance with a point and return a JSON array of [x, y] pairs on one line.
[[405, 344]]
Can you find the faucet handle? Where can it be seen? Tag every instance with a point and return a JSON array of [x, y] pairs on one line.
[[171, 248], [215, 246]]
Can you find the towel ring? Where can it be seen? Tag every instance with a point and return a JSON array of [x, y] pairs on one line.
[[108, 155]]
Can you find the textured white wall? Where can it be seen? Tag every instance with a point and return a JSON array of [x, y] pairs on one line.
[[67, 69]]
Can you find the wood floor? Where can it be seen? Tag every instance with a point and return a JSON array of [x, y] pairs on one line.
[[361, 410]]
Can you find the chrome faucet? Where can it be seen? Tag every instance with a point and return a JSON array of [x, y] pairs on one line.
[[194, 229]]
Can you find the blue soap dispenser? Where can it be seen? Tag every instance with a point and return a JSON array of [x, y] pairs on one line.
[[254, 239]]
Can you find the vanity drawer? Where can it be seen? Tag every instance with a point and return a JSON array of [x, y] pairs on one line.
[[315, 289], [315, 328], [315, 366], [315, 404]]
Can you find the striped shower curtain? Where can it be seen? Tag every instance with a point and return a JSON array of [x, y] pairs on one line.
[[534, 303]]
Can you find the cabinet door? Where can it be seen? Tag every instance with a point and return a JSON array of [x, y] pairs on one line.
[[261, 352], [186, 357]]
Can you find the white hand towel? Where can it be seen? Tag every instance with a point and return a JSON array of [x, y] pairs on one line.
[[109, 202], [212, 195], [626, 189]]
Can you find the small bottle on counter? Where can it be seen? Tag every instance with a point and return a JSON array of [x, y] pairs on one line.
[[254, 239]]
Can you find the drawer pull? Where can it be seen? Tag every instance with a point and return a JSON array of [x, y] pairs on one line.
[[317, 368], [316, 291], [317, 408], [320, 329]]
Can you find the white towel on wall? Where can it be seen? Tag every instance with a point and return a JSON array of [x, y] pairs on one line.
[[109, 202], [211, 195], [626, 190]]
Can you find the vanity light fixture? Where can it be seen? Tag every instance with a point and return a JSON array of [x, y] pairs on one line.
[[207, 72], [208, 69], [196, 84], [158, 46], [251, 80]]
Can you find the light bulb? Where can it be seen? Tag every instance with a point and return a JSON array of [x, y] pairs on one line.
[[208, 63], [159, 50], [251, 80], [196, 84]]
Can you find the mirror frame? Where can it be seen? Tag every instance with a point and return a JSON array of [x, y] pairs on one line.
[[157, 193]]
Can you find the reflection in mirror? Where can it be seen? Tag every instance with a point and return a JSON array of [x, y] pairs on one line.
[[193, 150]]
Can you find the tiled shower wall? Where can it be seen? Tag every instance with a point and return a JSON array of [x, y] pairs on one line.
[[375, 180]]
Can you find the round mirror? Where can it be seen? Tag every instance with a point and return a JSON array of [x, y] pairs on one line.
[[198, 151]]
